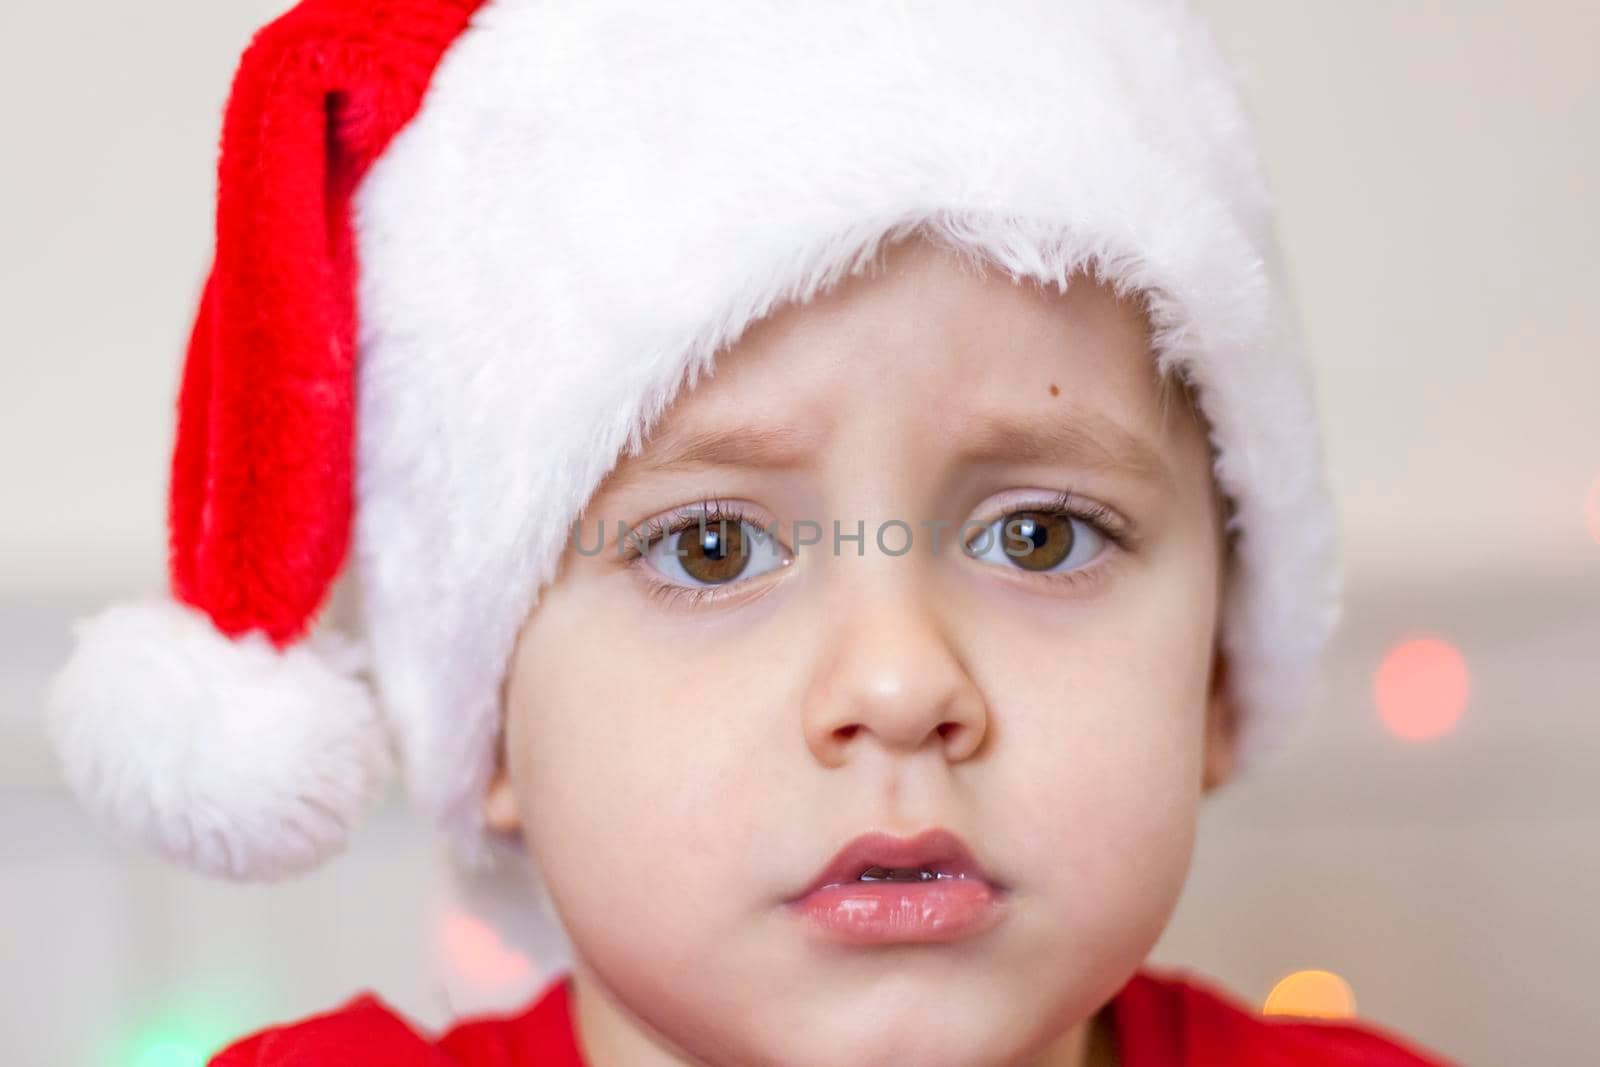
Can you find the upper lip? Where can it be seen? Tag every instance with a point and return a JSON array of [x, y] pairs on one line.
[[938, 849]]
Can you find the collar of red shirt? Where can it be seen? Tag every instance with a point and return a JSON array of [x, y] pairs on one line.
[[1160, 1019]]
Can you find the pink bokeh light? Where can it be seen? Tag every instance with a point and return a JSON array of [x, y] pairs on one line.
[[1421, 688]]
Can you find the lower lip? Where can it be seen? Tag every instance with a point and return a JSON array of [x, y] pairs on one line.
[[879, 913]]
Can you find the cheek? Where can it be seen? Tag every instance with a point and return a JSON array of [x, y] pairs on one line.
[[636, 767], [1099, 726]]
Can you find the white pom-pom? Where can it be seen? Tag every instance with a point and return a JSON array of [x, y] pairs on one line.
[[228, 756]]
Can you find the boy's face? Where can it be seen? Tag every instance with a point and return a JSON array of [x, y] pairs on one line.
[[689, 739]]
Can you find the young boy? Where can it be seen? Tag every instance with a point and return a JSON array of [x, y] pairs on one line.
[[835, 486]]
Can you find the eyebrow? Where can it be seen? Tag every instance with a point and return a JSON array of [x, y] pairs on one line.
[[769, 447], [1080, 437]]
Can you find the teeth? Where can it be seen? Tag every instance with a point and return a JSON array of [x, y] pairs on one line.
[[900, 874]]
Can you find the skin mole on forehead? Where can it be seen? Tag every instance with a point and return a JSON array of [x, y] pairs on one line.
[[1054, 391]]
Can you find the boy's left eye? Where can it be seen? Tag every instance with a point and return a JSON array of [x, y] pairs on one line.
[[714, 552], [1041, 540]]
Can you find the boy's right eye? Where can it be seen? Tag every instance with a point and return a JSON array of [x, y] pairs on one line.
[[694, 552], [702, 552]]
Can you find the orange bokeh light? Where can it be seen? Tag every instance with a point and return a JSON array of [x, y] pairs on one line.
[[1313, 994], [1421, 688], [474, 952]]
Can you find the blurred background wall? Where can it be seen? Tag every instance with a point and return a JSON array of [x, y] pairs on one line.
[[1431, 836]]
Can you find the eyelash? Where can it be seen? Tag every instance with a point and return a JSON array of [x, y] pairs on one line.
[[709, 511], [1100, 518]]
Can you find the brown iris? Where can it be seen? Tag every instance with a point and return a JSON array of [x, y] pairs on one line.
[[712, 552], [1036, 540]]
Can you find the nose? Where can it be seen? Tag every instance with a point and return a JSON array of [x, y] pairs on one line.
[[889, 675]]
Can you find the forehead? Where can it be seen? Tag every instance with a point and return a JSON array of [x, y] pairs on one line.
[[924, 314], [941, 346]]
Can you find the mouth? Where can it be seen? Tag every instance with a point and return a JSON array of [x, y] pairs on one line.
[[932, 855], [880, 889]]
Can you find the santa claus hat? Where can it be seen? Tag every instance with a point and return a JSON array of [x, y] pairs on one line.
[[467, 251]]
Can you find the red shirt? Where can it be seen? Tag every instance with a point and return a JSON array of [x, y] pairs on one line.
[[1160, 1020]]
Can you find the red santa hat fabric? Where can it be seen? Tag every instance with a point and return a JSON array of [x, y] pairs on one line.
[[468, 252], [204, 721]]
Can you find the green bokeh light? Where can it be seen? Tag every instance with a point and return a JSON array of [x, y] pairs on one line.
[[168, 1050], [185, 1028]]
